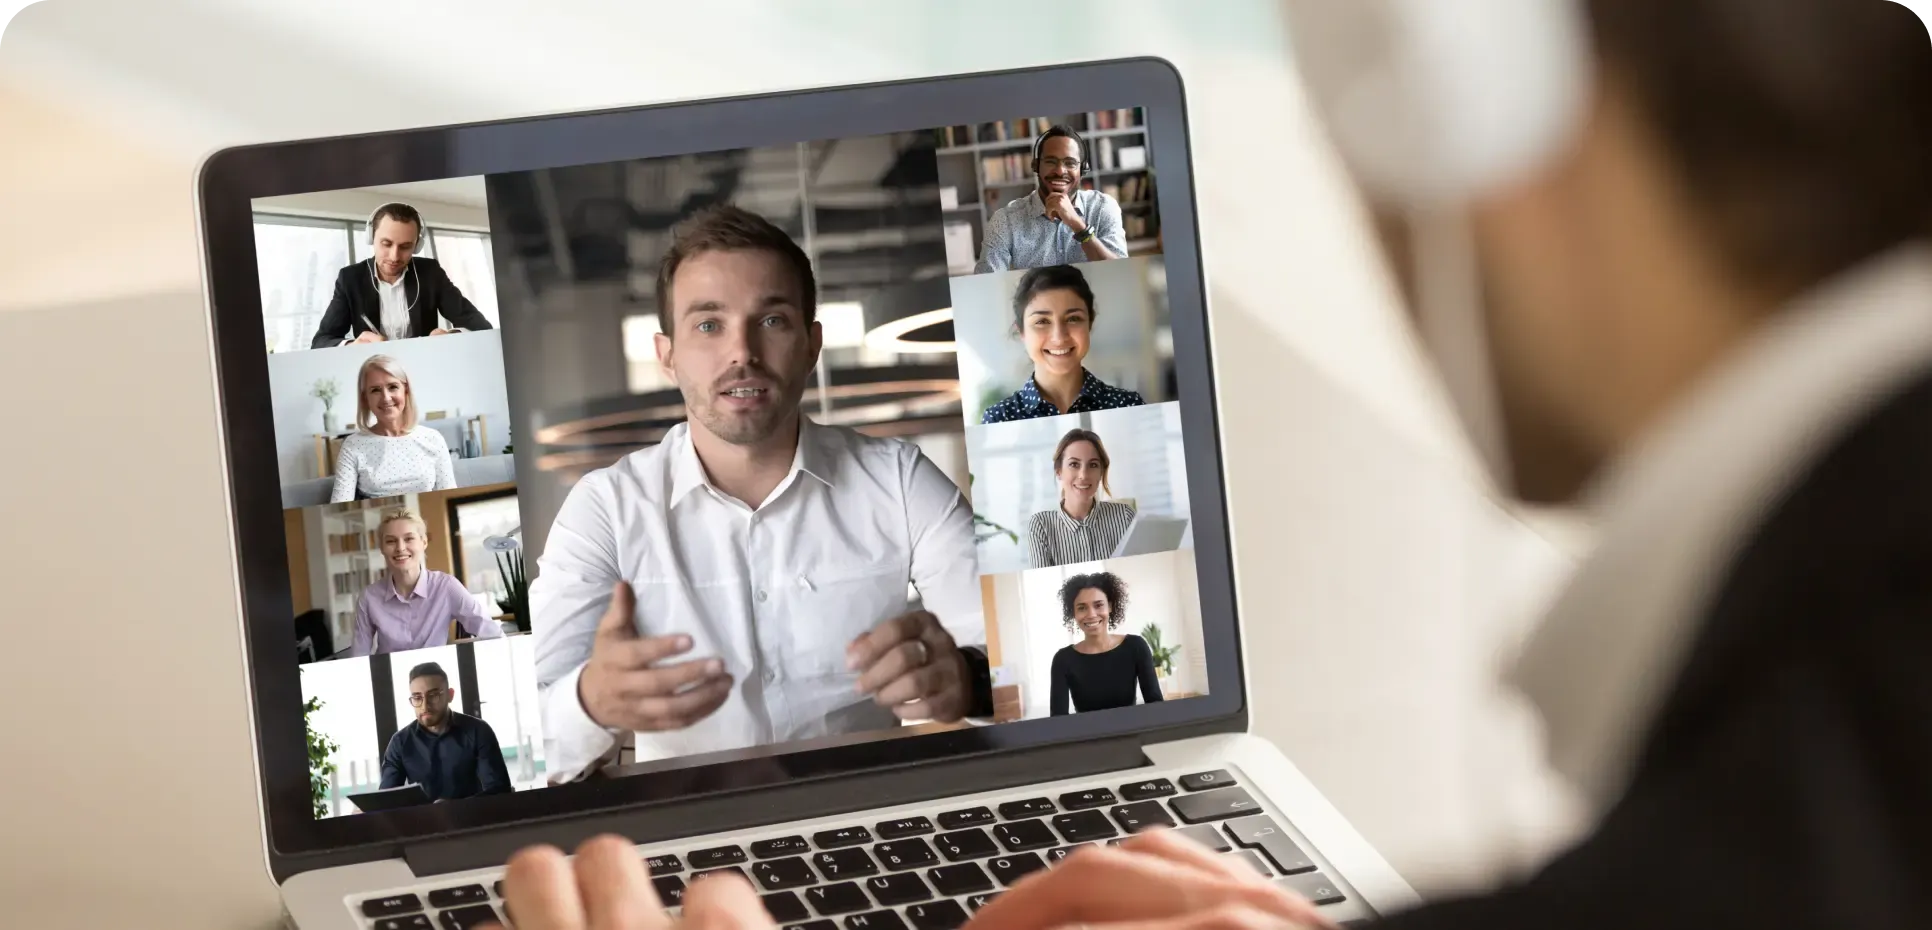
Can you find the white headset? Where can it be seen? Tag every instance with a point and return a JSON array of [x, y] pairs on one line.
[[1433, 104], [369, 234]]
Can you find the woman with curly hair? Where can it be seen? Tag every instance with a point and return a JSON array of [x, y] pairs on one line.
[[1101, 670]]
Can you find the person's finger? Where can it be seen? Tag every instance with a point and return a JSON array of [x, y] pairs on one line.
[[1221, 917], [1115, 883], [917, 684], [1183, 852], [681, 710], [869, 646], [645, 652], [616, 889], [665, 680], [905, 658], [725, 902], [619, 622], [540, 888]]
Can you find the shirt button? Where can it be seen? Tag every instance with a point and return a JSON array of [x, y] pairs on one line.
[[762, 596]]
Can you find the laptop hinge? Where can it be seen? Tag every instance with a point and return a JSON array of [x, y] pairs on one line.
[[746, 810]]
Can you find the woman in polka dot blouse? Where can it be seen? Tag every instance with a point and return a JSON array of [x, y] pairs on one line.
[[1053, 312], [390, 453]]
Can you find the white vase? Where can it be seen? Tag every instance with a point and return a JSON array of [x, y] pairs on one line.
[[328, 421]]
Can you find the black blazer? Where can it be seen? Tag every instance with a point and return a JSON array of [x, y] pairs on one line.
[[355, 308], [1787, 780]]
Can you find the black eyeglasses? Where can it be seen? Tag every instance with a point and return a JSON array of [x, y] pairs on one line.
[[416, 700], [1049, 163]]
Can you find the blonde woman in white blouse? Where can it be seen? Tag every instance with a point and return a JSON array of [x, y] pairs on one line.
[[390, 453]]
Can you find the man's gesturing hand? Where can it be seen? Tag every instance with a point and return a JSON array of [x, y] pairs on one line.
[[627, 683], [911, 664]]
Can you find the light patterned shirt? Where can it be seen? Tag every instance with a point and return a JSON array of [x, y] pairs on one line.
[[1019, 235], [1054, 538], [385, 466]]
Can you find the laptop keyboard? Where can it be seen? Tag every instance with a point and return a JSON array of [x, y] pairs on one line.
[[928, 872]]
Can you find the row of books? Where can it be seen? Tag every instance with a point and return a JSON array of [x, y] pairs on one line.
[[345, 543], [1137, 188], [947, 137], [351, 582]]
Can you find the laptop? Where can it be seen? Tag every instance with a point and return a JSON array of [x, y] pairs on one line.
[[1151, 533], [515, 284]]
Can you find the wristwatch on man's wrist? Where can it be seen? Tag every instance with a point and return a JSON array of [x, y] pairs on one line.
[[1085, 236]]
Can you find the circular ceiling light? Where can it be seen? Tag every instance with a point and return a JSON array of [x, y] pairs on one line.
[[908, 335]]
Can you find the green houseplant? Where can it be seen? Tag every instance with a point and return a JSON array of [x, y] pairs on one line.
[[516, 584], [320, 768], [984, 529], [1163, 654]]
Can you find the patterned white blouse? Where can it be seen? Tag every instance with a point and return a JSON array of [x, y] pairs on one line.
[[385, 466]]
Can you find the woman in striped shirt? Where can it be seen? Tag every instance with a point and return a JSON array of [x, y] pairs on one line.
[[1083, 528]]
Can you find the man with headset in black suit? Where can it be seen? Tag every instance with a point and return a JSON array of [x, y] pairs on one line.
[[392, 294], [1056, 223]]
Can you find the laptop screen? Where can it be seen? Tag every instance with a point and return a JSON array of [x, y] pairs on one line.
[[637, 478]]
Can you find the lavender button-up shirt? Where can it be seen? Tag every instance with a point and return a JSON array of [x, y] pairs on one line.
[[388, 622]]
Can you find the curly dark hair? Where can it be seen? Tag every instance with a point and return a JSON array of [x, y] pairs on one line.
[[1106, 583]]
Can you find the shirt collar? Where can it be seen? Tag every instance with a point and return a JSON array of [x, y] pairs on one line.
[[1030, 392], [812, 457], [380, 283], [389, 586], [1676, 509]]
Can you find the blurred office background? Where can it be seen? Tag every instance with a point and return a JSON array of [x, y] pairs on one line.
[[1357, 522]]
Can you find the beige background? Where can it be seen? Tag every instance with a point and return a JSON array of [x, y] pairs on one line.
[[1391, 583]]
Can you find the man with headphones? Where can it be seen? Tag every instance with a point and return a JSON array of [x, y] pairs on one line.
[[1673, 259], [1057, 223], [392, 294]]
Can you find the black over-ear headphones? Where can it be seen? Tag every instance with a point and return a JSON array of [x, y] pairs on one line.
[[1039, 142]]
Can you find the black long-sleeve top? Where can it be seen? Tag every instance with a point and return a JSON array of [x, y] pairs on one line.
[[1103, 680], [463, 761]]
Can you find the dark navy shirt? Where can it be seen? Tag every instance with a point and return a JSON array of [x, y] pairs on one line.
[[1026, 403], [461, 762]]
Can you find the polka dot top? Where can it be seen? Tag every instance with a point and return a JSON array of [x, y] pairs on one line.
[[1027, 404], [385, 466]]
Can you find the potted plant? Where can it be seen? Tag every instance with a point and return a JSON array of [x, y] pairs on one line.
[[984, 529], [1163, 654], [320, 768], [326, 391], [516, 600]]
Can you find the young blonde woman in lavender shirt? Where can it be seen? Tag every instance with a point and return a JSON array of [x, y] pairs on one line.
[[410, 607], [390, 453]]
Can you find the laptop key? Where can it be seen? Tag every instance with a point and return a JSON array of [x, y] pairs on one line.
[[780, 874], [1202, 781], [970, 817], [1261, 832], [894, 890], [716, 856], [1084, 826], [1031, 807], [1056, 856], [664, 865], [784, 846], [845, 863], [1219, 804], [784, 907], [813, 925], [412, 922], [842, 837], [670, 890], [1145, 815], [900, 829], [1083, 800], [1253, 859], [1314, 886], [1206, 835], [1025, 834], [939, 915], [1147, 790], [465, 918], [462, 894], [498, 888], [1009, 869], [965, 844], [964, 878], [978, 901], [394, 904], [906, 854], [876, 920], [842, 898], [735, 870]]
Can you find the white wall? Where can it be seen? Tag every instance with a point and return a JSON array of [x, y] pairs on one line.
[[1121, 353], [459, 373]]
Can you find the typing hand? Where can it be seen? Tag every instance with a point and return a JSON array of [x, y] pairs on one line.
[[1060, 208], [368, 335], [628, 685], [607, 888], [439, 332], [911, 664], [1155, 881]]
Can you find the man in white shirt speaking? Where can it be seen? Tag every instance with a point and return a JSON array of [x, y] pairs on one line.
[[745, 581]]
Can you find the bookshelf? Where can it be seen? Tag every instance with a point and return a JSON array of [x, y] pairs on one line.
[[989, 164], [353, 558]]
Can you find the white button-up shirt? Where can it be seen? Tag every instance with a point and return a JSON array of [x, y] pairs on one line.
[[394, 299], [776, 592]]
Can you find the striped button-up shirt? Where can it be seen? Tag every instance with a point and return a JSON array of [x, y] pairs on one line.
[[1053, 538]]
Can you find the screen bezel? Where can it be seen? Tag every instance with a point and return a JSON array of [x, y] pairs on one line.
[[231, 179]]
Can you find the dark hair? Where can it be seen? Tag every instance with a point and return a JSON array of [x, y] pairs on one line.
[[1058, 131], [428, 670], [726, 228], [1051, 278], [1106, 583], [1800, 129], [401, 213], [1100, 449]]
